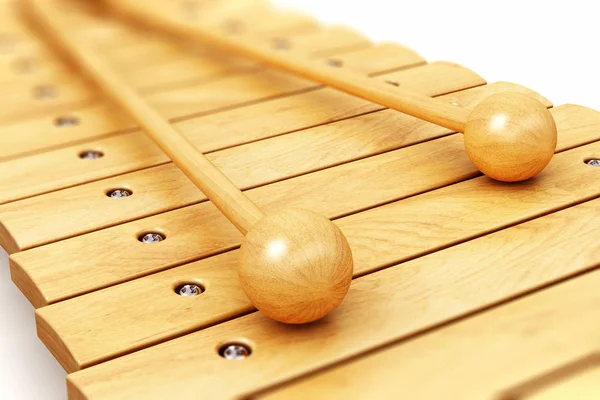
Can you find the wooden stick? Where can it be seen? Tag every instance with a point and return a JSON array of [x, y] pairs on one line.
[[236, 206], [295, 266], [408, 102], [510, 137]]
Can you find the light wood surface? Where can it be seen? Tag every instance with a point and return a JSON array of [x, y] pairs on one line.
[[379, 237], [403, 192], [380, 308], [99, 120], [258, 86], [515, 343], [333, 197], [510, 138], [205, 64], [295, 255], [247, 166], [403, 100]]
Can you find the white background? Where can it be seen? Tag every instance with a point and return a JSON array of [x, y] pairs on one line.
[[549, 46]]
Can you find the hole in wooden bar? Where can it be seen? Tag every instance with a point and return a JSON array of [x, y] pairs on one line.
[[45, 92], [233, 26], [190, 289], [119, 193], [593, 162], [25, 65], [67, 120], [235, 350], [91, 154], [335, 62], [151, 237], [393, 83], [190, 9], [281, 44]]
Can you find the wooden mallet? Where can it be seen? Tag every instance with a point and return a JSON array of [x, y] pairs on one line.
[[509, 136], [295, 265]]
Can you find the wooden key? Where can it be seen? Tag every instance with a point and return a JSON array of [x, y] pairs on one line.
[[295, 265], [509, 137]]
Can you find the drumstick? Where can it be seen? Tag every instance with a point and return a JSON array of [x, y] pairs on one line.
[[509, 136], [295, 265]]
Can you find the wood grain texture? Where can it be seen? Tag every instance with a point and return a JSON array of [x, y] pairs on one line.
[[515, 342], [402, 99], [111, 120], [379, 237], [29, 138], [318, 148], [71, 92], [232, 202], [119, 158], [379, 309], [98, 120]]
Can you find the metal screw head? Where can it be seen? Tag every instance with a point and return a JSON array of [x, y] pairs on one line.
[[91, 155], [25, 65], [67, 120], [281, 44], [45, 92], [233, 26], [335, 62], [234, 351], [190, 289], [594, 162], [190, 9], [119, 193], [151, 237]]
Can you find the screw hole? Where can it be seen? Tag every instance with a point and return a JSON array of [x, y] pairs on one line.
[[67, 120], [25, 65], [233, 26], [91, 155], [235, 351], [593, 162], [335, 62], [119, 193], [281, 44], [190, 9], [189, 289], [393, 83], [151, 237], [45, 92]]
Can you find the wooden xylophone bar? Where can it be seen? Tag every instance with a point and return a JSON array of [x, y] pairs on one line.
[[427, 232]]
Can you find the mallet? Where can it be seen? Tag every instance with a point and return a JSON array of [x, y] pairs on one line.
[[509, 136], [295, 265]]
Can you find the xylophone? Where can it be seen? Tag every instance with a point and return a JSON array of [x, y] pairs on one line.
[[146, 289]]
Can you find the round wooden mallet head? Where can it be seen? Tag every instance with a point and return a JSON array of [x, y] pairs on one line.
[[295, 266], [510, 136]]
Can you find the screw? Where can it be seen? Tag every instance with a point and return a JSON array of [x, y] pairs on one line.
[[594, 162], [91, 155], [119, 193], [66, 121], [281, 44], [151, 237], [45, 92], [190, 289], [234, 351], [334, 62], [233, 26], [25, 65]]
